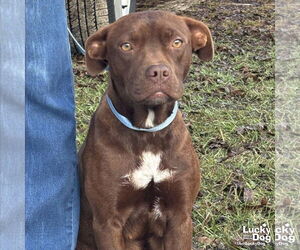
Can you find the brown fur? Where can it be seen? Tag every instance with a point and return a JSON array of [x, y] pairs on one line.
[[115, 216]]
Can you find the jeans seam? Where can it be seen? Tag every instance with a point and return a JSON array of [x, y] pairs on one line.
[[70, 219]]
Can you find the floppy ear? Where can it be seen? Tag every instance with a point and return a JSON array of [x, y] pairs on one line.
[[202, 42], [95, 55]]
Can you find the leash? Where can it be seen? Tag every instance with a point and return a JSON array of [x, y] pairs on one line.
[[124, 120], [82, 50]]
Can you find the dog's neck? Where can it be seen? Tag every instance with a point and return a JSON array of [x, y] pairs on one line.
[[140, 115]]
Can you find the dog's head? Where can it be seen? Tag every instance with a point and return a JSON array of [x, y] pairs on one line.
[[149, 54]]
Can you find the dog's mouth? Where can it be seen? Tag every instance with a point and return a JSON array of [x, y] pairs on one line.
[[150, 94], [158, 95], [157, 98]]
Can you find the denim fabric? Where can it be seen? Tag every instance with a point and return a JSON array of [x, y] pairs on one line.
[[12, 124], [52, 194]]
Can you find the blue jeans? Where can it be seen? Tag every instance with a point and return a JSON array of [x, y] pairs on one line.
[[12, 124], [51, 178]]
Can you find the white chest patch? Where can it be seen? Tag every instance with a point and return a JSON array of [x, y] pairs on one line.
[[149, 123], [148, 171]]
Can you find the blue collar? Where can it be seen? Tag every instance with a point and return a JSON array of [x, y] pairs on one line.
[[128, 123]]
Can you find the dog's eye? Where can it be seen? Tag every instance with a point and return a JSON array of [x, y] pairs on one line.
[[126, 46], [177, 43]]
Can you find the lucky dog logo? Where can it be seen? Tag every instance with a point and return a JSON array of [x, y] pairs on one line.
[[262, 235]]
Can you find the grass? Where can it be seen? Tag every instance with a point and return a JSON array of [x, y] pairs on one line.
[[228, 107]]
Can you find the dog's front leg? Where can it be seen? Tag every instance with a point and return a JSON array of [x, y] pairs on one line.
[[109, 235], [179, 233]]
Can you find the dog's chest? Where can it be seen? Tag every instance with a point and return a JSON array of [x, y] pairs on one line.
[[148, 170], [143, 185]]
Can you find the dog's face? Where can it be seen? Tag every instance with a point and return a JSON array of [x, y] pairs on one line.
[[149, 54]]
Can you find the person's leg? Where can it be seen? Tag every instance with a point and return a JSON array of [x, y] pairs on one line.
[[52, 198]]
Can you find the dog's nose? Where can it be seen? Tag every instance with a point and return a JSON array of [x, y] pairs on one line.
[[158, 73]]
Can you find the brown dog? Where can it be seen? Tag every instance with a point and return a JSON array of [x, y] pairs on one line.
[[138, 188]]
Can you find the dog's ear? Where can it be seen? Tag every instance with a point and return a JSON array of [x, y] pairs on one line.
[[202, 43], [95, 51]]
